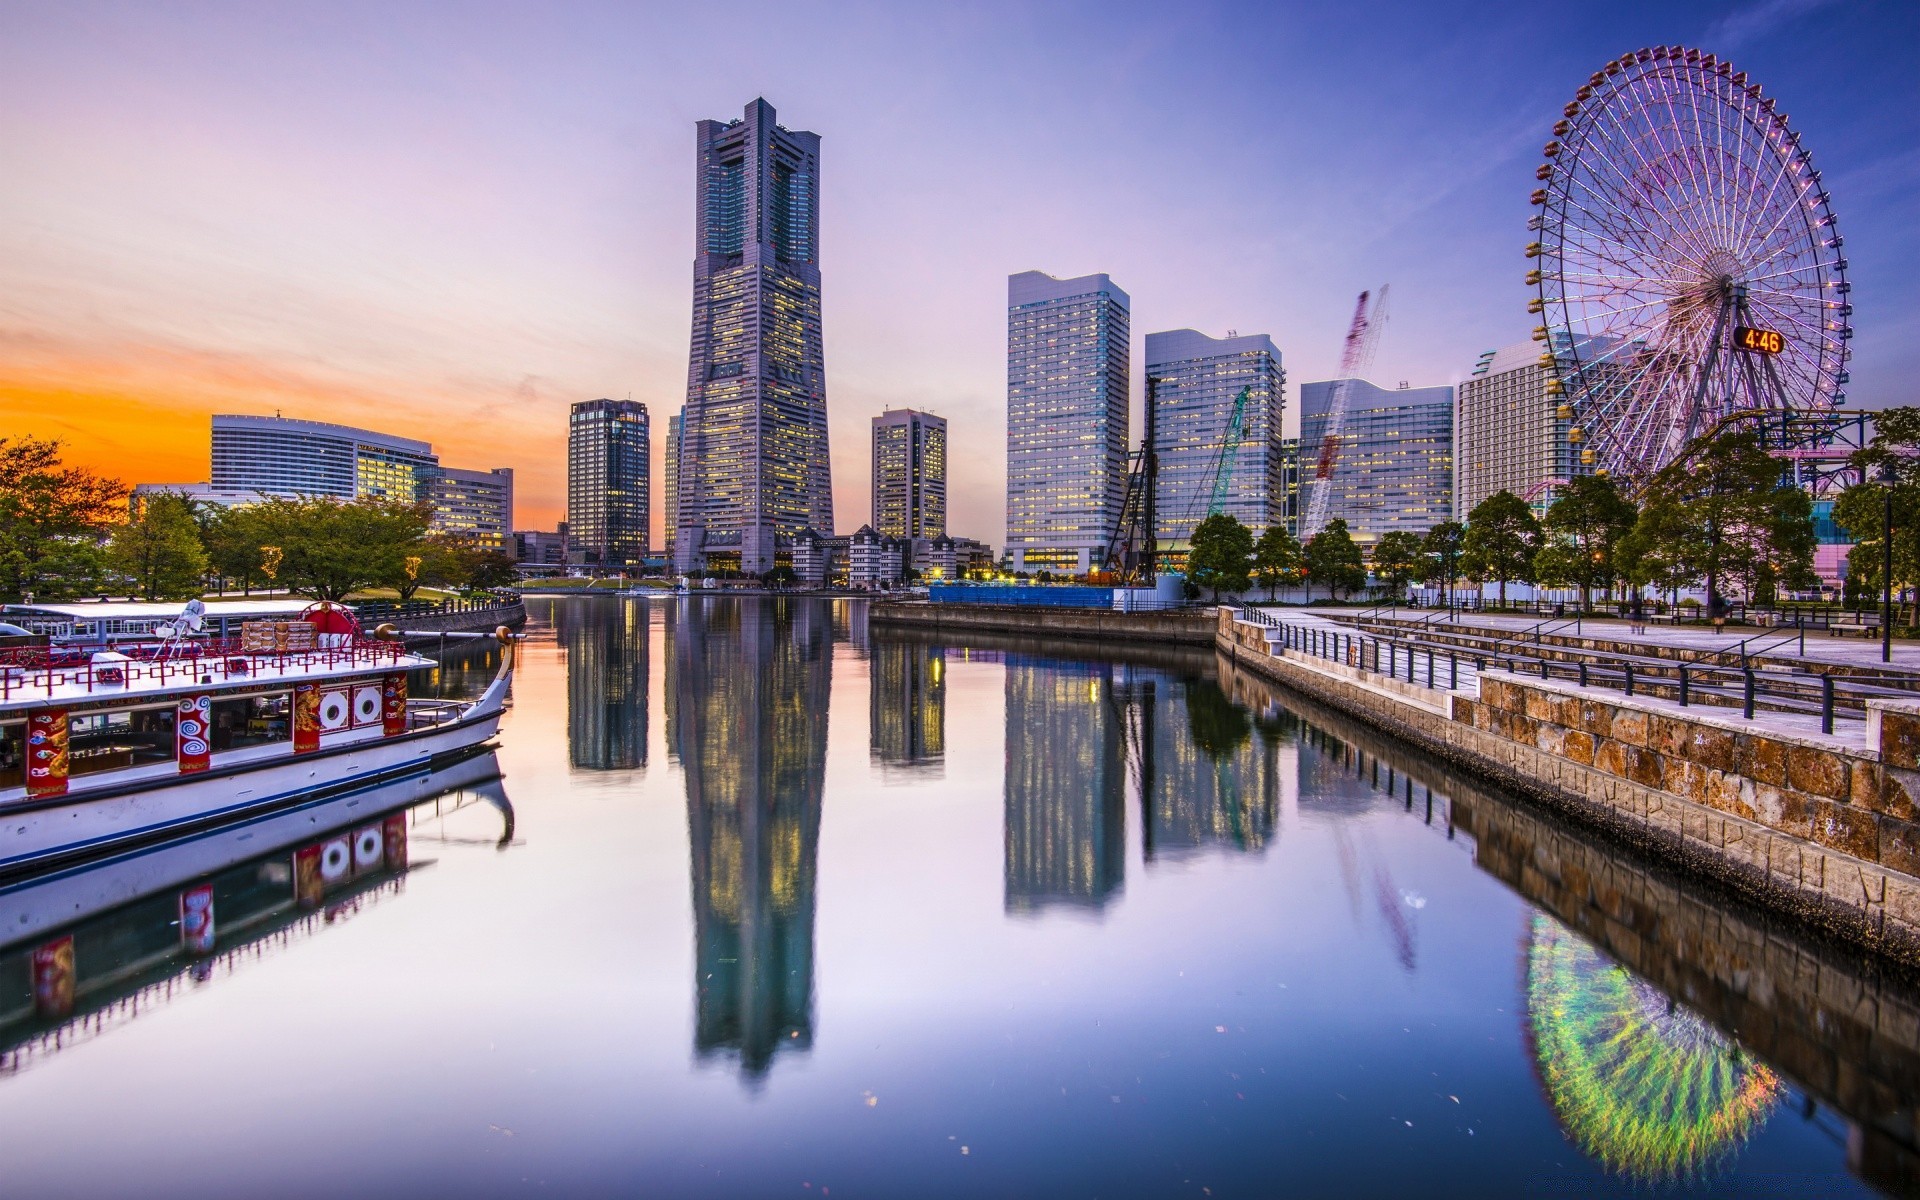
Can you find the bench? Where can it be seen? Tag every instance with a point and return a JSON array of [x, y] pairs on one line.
[[1860, 625]]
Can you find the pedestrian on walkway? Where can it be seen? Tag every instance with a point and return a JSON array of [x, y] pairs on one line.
[[1637, 617]]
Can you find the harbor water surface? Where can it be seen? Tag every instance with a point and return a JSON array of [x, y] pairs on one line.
[[769, 903]]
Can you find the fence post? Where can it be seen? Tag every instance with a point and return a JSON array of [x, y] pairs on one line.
[[1746, 707], [1683, 686], [1583, 672], [1826, 704], [1629, 679], [1453, 670]]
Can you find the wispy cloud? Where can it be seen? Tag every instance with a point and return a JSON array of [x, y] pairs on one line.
[[1751, 22]]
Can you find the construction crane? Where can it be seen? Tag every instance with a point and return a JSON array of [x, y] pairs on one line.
[[1229, 452], [1363, 337]]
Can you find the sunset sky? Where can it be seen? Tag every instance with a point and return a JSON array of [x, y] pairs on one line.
[[451, 221]]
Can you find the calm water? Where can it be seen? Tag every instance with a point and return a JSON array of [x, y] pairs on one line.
[[769, 905]]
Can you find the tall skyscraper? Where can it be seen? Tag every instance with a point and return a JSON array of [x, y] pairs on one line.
[[909, 474], [1197, 381], [671, 469], [753, 451], [1509, 433], [1393, 469], [280, 455], [1068, 359], [609, 477]]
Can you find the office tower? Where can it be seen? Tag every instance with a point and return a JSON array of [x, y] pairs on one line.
[[1066, 758], [1197, 381], [1393, 469], [909, 474], [607, 656], [609, 474], [671, 468], [747, 719], [474, 504], [1509, 433], [907, 715], [753, 452], [279, 455], [1067, 371]]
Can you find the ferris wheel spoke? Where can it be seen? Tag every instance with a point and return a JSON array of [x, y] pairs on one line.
[[1657, 105]]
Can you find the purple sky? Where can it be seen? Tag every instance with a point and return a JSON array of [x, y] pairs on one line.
[[452, 221]]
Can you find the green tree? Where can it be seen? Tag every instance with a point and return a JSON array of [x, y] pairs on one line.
[[52, 518], [1733, 516], [329, 548], [159, 551], [1396, 560], [1583, 526], [1442, 548], [1501, 539], [233, 541], [1861, 509], [1646, 558], [1220, 556], [1333, 559], [1277, 558]]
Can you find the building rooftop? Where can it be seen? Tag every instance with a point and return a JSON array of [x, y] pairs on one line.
[[321, 429]]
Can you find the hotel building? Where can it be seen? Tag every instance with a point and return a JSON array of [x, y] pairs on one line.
[[909, 474], [1509, 432], [753, 449], [1068, 362], [1393, 469], [283, 456], [474, 504], [609, 476], [1196, 381]]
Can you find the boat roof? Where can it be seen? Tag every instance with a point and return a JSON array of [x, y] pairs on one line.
[[139, 610], [149, 680]]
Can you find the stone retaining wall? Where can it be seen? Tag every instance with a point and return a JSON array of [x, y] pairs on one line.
[[1187, 627], [1529, 738], [480, 620]]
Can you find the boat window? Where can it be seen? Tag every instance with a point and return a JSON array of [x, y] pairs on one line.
[[13, 755], [109, 741], [252, 720]]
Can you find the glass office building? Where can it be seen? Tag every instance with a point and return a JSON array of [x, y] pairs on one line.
[[1068, 364], [1393, 469], [1197, 381], [609, 477], [283, 456], [909, 474], [753, 446], [474, 504], [670, 469]]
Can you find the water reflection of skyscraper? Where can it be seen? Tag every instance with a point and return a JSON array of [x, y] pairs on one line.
[[606, 646], [1211, 781], [1065, 785], [908, 708], [750, 685]]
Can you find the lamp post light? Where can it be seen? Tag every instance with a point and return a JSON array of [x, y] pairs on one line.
[[1887, 477]]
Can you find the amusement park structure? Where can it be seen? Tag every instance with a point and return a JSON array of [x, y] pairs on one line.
[[1687, 270], [1363, 338]]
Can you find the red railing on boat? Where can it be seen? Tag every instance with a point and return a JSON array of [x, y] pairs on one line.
[[30, 669]]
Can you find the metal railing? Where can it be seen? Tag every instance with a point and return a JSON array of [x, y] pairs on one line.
[[24, 671]]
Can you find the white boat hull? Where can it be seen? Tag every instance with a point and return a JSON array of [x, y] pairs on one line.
[[50, 833]]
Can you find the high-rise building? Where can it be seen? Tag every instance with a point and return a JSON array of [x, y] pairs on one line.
[[1197, 381], [609, 477], [909, 474], [474, 504], [1509, 432], [671, 469], [753, 450], [280, 455], [1393, 468], [1068, 362]]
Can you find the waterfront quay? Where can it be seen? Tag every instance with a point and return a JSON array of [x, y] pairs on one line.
[[1766, 791]]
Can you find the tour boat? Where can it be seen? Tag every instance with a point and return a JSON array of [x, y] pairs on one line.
[[108, 749]]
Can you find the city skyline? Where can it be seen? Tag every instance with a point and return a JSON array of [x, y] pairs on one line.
[[198, 223]]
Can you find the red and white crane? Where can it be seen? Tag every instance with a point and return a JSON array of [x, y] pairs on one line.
[[1363, 337]]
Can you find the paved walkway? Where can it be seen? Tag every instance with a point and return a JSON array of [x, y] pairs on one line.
[[1821, 646]]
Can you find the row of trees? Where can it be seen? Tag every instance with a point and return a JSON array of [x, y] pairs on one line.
[[1721, 516], [64, 532]]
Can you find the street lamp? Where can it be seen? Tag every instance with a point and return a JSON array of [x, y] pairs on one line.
[[1887, 477]]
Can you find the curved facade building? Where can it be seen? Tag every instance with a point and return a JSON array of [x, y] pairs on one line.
[[280, 455]]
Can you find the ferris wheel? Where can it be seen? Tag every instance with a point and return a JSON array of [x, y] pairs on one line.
[[1689, 267]]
